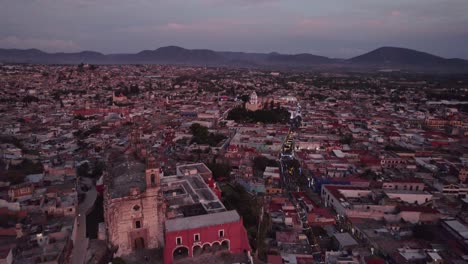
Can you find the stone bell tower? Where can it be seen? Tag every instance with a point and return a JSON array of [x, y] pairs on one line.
[[154, 201], [153, 173]]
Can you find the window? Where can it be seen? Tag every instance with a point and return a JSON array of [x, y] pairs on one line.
[[138, 224], [196, 237], [221, 233], [178, 241], [136, 207], [153, 180]]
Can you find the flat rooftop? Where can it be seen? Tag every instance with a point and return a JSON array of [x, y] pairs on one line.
[[189, 195], [195, 168], [199, 221]]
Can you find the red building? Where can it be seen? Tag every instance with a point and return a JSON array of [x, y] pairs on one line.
[[201, 234]]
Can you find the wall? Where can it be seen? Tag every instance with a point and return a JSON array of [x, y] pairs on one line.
[[12, 206], [121, 217], [233, 232], [412, 198]]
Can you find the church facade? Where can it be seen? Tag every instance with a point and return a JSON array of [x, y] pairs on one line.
[[182, 213]]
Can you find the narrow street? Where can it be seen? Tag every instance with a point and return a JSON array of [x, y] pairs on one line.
[[81, 242]]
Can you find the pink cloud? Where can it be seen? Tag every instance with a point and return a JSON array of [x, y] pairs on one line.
[[375, 22], [395, 13], [214, 25], [191, 27], [310, 25]]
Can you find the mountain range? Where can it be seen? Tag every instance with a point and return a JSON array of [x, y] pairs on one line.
[[385, 58]]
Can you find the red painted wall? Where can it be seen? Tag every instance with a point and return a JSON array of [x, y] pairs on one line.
[[234, 232]]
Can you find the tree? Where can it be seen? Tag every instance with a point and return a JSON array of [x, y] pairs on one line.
[[369, 175], [83, 170], [199, 131], [245, 98], [346, 139], [219, 170], [118, 260], [29, 99], [80, 67], [201, 135], [79, 117], [235, 197], [261, 162], [423, 232], [232, 91], [134, 89], [267, 116], [98, 169]]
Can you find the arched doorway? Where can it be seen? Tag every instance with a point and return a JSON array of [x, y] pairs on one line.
[[225, 245], [180, 252], [197, 250], [139, 243], [216, 246], [206, 248]]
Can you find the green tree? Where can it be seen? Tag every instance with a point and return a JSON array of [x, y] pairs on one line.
[[98, 169], [83, 170], [199, 131], [201, 135], [118, 260], [261, 162], [220, 170], [80, 67], [346, 139], [245, 98]]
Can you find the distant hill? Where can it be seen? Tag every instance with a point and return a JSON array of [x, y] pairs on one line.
[[303, 59], [174, 54], [381, 58], [391, 57]]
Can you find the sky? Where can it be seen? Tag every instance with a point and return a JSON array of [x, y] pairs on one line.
[[334, 28]]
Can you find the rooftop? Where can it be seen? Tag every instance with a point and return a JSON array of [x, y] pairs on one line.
[[345, 240], [126, 172], [199, 221], [189, 195]]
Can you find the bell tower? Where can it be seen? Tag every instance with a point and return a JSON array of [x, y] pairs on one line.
[[153, 173]]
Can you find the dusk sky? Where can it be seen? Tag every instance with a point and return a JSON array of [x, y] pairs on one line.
[[335, 28]]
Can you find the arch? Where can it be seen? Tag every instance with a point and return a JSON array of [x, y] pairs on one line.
[[206, 248], [197, 250], [139, 243], [216, 246], [180, 252], [225, 245]]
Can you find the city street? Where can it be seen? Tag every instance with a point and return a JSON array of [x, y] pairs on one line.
[[81, 242]]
